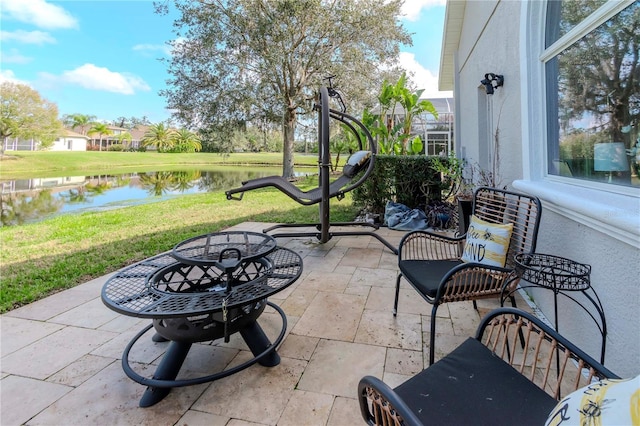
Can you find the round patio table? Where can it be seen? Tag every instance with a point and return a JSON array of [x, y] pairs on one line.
[[207, 288]]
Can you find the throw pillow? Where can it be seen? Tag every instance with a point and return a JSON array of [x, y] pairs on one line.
[[355, 163], [487, 243], [607, 402]]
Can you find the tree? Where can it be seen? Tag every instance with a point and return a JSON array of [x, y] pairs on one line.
[[163, 138], [24, 114], [130, 123], [600, 74], [249, 60], [186, 141], [101, 130], [393, 127], [84, 121], [123, 138]]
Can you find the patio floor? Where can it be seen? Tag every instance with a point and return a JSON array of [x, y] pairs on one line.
[[61, 356]]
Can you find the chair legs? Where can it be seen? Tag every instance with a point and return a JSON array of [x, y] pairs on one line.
[[433, 320], [395, 302], [432, 337]]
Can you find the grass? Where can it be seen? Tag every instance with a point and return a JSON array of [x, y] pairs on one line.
[[42, 258], [27, 164]]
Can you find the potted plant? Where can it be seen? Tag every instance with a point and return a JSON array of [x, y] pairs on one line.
[[456, 188]]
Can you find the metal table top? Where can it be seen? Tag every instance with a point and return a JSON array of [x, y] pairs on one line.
[[218, 247], [555, 272], [163, 287]]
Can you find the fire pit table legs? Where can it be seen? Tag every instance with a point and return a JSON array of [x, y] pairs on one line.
[[258, 342], [167, 370], [165, 375]]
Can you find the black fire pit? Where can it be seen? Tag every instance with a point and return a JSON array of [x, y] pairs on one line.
[[207, 288]]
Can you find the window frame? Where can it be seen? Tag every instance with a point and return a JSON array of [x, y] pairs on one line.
[[611, 209]]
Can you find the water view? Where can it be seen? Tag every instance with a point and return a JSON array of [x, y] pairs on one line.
[[31, 200]]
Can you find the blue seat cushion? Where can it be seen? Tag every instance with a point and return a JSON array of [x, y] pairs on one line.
[[471, 385]]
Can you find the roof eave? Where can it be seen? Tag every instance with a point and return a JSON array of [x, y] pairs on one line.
[[454, 15]]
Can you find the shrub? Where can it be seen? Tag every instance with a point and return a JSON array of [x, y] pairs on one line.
[[409, 180], [116, 147]]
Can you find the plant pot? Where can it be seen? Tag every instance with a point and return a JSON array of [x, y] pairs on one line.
[[465, 208]]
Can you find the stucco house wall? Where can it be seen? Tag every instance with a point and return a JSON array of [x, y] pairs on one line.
[[70, 141], [587, 224], [487, 120]]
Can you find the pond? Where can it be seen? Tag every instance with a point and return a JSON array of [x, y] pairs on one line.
[[31, 200]]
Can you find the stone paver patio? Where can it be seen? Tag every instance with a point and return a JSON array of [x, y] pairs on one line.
[[61, 356]]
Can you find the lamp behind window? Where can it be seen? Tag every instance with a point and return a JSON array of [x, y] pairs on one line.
[[610, 157]]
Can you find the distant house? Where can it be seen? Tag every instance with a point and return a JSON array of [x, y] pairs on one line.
[[437, 134], [115, 137], [70, 141], [95, 139], [67, 141], [137, 133]]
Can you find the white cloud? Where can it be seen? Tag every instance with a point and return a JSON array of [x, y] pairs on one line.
[[151, 48], [9, 76], [27, 37], [39, 13], [421, 77], [13, 57], [411, 8], [166, 48], [92, 77]]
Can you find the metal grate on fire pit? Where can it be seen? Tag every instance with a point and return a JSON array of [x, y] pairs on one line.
[[210, 249], [162, 287]]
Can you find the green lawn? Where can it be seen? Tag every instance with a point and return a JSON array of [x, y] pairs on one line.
[[42, 258], [27, 164]]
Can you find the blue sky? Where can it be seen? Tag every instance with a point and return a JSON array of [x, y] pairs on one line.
[[102, 57]]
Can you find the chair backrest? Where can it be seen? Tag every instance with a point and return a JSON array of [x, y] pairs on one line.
[[539, 352], [502, 206]]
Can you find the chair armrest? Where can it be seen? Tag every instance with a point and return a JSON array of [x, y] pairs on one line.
[[380, 405], [539, 352], [425, 245], [469, 281]]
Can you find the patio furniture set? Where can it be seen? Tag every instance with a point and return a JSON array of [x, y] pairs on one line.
[[215, 285]]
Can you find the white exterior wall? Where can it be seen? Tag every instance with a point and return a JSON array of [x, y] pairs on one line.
[[614, 277], [592, 226], [69, 143], [485, 49]]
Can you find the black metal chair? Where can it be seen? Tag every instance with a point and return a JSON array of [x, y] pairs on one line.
[[487, 380], [431, 263], [358, 168]]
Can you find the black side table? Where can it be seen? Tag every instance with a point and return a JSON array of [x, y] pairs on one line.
[[563, 276]]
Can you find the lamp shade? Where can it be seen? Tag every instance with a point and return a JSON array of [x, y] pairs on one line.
[[610, 157]]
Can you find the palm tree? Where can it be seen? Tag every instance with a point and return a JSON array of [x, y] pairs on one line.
[[185, 180], [83, 121], [157, 183], [187, 141], [100, 129], [124, 137], [163, 138]]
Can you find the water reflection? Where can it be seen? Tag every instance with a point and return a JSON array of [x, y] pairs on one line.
[[30, 200]]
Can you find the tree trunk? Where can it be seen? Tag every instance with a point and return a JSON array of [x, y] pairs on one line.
[[288, 130]]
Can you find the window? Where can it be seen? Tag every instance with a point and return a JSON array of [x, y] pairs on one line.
[[592, 75]]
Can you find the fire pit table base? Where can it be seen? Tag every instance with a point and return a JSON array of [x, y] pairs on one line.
[[164, 378]]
